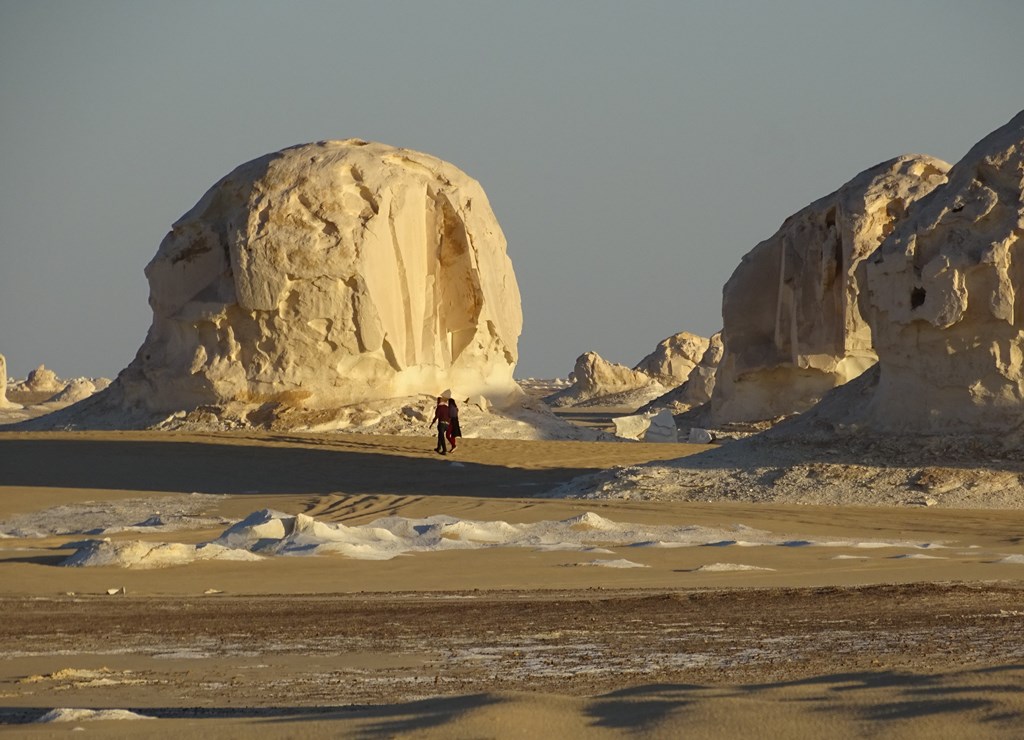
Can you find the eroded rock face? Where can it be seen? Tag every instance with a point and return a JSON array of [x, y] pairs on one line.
[[594, 377], [76, 390], [944, 296], [4, 403], [329, 274], [699, 385], [43, 379], [674, 358], [792, 325]]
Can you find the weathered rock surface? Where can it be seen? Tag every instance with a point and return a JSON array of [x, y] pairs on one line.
[[662, 428], [4, 403], [655, 427], [699, 385], [633, 426], [76, 390], [42, 379], [324, 275], [674, 358], [944, 296], [792, 325], [593, 377]]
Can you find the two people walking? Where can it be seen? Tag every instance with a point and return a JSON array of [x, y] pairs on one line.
[[446, 416]]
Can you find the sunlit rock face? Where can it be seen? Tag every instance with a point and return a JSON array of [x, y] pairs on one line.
[[328, 274], [943, 297], [4, 403], [42, 379], [594, 377], [699, 384], [674, 358], [792, 325]]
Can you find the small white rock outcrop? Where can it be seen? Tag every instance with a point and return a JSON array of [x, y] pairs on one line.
[[76, 390], [4, 403], [594, 377], [793, 327], [655, 427], [43, 379], [674, 358], [699, 385]]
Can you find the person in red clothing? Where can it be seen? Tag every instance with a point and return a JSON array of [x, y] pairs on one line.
[[441, 418]]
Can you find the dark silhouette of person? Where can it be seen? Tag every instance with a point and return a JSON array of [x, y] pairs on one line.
[[441, 418]]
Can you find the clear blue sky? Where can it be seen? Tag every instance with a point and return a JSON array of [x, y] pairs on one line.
[[633, 152]]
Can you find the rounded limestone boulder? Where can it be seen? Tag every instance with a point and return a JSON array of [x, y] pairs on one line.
[[329, 274]]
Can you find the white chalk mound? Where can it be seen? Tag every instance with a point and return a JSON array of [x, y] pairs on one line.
[[324, 275], [595, 378], [76, 390], [793, 328], [42, 379]]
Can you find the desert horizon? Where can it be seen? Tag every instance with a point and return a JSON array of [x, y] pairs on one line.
[[345, 478]]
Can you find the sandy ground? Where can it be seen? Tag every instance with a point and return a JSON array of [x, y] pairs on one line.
[[921, 637]]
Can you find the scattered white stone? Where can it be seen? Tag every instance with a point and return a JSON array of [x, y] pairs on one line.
[[700, 436], [63, 714], [631, 427]]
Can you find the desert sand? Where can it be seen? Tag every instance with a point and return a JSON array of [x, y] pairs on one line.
[[524, 617]]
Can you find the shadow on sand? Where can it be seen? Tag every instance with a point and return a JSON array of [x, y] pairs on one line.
[[216, 467]]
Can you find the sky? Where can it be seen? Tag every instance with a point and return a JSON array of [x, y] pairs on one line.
[[632, 152]]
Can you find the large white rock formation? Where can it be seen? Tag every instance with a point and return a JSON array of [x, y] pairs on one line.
[[944, 295], [324, 275], [792, 325]]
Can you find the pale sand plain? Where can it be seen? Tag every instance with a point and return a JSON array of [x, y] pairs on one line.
[[923, 638]]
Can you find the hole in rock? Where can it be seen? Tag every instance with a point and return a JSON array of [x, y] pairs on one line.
[[917, 297]]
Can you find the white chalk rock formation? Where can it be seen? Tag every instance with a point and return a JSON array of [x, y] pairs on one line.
[[42, 379], [699, 385], [4, 403], [633, 426], [792, 325], [662, 428], [944, 295], [593, 377], [656, 427], [329, 274], [76, 390], [674, 358]]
